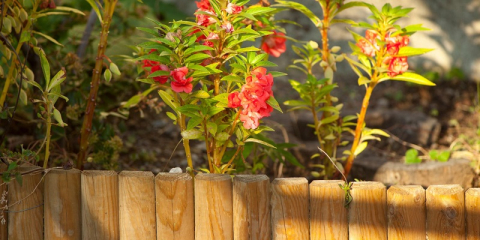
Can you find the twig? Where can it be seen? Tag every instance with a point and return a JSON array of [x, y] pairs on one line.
[[404, 143]]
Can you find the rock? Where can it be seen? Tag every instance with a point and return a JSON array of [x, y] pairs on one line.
[[455, 171]]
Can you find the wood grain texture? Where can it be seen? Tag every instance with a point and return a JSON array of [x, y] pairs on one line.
[[445, 212], [472, 207], [213, 207], [136, 191], [63, 205], [3, 204], [406, 212], [290, 202], [25, 215], [174, 206], [328, 216], [251, 207], [100, 205], [368, 211]]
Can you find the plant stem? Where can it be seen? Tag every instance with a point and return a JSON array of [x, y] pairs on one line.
[[47, 133], [359, 127], [91, 101]]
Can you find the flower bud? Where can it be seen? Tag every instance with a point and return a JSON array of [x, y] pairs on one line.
[[313, 44], [339, 58], [323, 64], [335, 49]]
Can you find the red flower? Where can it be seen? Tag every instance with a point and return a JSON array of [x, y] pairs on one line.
[[395, 43], [233, 100], [181, 83], [233, 9], [398, 65], [204, 5], [149, 63], [160, 67], [274, 44]]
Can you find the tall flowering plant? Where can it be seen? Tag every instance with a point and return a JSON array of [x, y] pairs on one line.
[[382, 55], [217, 85]]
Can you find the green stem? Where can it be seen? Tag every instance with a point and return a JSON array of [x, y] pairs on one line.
[[94, 85], [48, 133]]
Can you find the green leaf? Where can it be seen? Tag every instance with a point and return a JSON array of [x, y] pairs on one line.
[[212, 128], [409, 77], [23, 97], [11, 166], [363, 80], [248, 49], [411, 157], [300, 7], [57, 79], [410, 51], [360, 148], [44, 63], [148, 30], [172, 116], [329, 119], [259, 10], [95, 8], [193, 122], [114, 69], [433, 154], [191, 134], [260, 142], [350, 5], [444, 156], [196, 48], [168, 99], [223, 98], [274, 104], [202, 94], [146, 80], [69, 9], [58, 117], [159, 73], [197, 57]]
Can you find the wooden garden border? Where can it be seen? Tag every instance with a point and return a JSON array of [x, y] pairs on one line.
[[94, 205]]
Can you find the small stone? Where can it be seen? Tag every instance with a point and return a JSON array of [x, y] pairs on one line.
[[176, 170]]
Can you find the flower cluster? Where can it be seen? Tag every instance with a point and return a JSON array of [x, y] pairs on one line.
[[274, 44], [204, 19], [253, 98], [155, 66], [396, 64]]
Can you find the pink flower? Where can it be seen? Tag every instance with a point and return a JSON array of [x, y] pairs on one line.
[[274, 44], [366, 47], [250, 119], [233, 100], [181, 83], [160, 67], [233, 9], [204, 5], [395, 43], [398, 65], [204, 19], [228, 27]]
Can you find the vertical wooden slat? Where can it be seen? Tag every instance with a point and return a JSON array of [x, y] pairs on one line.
[[213, 207], [251, 207], [3, 204], [290, 218], [62, 205], [100, 205], [328, 215], [174, 205], [25, 215], [445, 212], [136, 191], [406, 212], [368, 211], [472, 207]]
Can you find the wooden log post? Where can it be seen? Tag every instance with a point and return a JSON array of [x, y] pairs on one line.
[[328, 216], [63, 205], [406, 212], [290, 201], [368, 211], [213, 207], [25, 201], [175, 207], [99, 196], [3, 206], [472, 207], [445, 212], [251, 207], [137, 205]]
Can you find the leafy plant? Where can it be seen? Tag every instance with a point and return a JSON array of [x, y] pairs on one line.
[[411, 157]]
